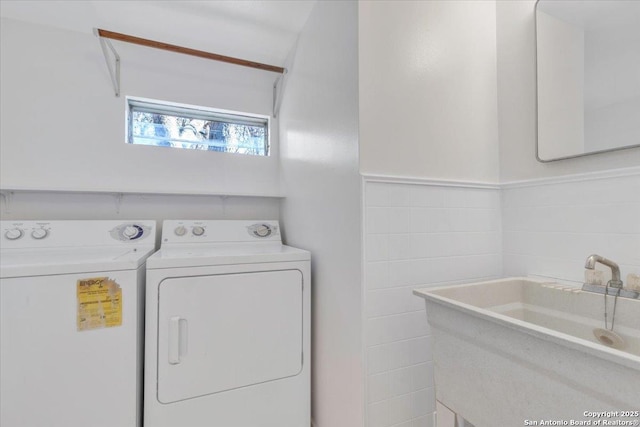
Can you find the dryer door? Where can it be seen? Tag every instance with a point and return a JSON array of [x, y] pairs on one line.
[[221, 332]]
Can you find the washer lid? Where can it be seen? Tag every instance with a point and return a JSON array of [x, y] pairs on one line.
[[42, 262], [199, 255]]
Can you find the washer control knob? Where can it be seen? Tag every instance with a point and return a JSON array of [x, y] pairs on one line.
[[197, 230], [39, 233], [14, 234], [130, 232], [262, 230], [180, 231]]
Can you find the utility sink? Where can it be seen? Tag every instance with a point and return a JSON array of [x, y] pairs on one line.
[[521, 349]]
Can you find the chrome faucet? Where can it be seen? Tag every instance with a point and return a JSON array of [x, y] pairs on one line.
[[615, 270]]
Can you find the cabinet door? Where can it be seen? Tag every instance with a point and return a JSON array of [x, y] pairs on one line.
[[222, 332]]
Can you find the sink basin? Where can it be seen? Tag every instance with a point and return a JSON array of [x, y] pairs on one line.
[[517, 349]]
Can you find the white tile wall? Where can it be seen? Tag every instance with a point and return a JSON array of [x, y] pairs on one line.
[[416, 236], [549, 229]]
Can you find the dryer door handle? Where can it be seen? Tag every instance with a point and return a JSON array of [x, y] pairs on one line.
[[177, 339]]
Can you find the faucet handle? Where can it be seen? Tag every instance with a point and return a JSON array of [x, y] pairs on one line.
[[633, 282]]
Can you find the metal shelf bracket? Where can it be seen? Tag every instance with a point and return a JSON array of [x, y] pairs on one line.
[[278, 87], [8, 197], [114, 70], [118, 201]]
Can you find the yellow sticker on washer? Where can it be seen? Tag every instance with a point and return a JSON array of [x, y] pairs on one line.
[[99, 303]]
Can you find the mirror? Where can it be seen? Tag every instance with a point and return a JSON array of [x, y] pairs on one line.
[[588, 77]]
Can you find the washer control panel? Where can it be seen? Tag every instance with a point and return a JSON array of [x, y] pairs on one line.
[[50, 234], [219, 231]]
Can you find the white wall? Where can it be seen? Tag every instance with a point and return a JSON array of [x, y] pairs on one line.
[[63, 128], [517, 104], [428, 109], [560, 50], [550, 227], [321, 213], [417, 235], [428, 89]]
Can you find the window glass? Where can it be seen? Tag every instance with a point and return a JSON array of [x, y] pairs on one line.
[[196, 128]]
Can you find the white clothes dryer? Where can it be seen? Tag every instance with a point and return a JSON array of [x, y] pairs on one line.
[[71, 330], [227, 339]]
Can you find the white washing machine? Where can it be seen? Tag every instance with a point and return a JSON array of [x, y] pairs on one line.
[[227, 327], [71, 330]]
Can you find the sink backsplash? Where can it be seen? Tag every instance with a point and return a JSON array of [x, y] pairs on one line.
[[550, 227]]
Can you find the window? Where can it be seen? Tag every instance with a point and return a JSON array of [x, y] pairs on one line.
[[167, 124]]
